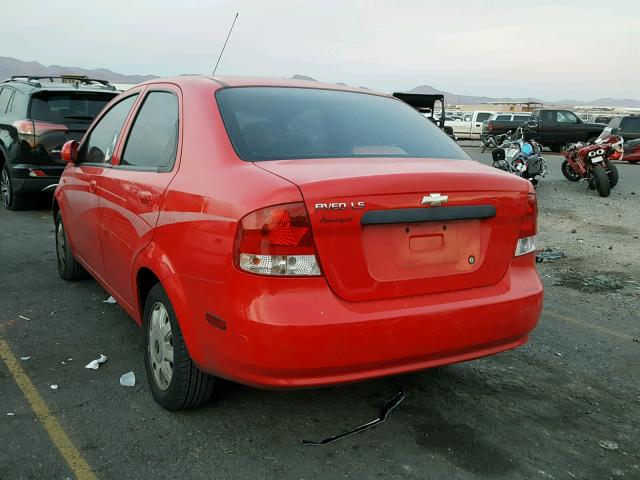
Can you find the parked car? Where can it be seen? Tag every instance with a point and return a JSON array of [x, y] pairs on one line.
[[282, 235], [627, 125], [469, 129], [37, 115], [557, 128], [500, 123]]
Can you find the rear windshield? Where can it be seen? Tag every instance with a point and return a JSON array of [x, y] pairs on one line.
[[68, 107], [275, 123]]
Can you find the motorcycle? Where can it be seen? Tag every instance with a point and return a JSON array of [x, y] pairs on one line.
[[594, 162], [494, 141], [521, 156]]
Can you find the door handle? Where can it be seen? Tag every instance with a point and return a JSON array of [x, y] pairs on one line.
[[145, 197], [93, 185]]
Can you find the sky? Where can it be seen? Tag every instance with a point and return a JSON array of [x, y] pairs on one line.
[[546, 49]]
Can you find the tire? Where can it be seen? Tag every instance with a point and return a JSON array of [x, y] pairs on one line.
[[569, 173], [68, 266], [10, 199], [177, 384], [612, 172], [601, 180]]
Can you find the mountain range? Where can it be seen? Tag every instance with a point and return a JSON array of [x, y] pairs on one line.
[[12, 66]]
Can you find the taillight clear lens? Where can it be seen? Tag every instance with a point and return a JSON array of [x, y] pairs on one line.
[[277, 241], [528, 227]]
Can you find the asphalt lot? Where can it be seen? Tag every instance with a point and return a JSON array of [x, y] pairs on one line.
[[537, 412]]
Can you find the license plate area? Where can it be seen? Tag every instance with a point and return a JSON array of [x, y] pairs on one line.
[[422, 250], [597, 159]]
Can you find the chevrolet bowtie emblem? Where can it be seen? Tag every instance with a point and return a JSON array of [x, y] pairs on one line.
[[434, 199]]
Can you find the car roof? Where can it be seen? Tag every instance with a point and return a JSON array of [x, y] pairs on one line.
[[223, 82]]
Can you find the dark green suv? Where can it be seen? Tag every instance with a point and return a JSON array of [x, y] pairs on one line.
[[37, 115]]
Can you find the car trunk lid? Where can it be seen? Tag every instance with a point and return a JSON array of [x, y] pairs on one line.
[[376, 238]]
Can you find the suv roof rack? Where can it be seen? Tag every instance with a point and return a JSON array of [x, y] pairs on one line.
[[35, 80]]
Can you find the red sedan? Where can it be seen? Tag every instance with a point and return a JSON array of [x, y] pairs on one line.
[[294, 234]]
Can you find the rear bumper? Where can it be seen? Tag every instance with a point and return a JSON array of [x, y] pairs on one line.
[[24, 183], [305, 337]]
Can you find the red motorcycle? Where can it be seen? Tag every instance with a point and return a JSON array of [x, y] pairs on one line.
[[594, 162]]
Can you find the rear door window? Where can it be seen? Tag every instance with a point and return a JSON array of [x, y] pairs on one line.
[[278, 123], [68, 107], [5, 96], [503, 118], [521, 118], [153, 140], [102, 140]]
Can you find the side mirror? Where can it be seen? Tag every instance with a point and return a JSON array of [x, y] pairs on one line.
[[69, 152]]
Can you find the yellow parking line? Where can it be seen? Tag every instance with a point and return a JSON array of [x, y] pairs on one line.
[[592, 326], [69, 452]]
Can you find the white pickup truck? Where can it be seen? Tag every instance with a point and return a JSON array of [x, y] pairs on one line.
[[471, 129]]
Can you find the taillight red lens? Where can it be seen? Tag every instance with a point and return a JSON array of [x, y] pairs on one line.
[[529, 226], [277, 241]]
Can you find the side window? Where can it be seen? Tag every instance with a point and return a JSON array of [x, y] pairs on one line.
[[5, 96], [17, 102], [153, 139], [503, 118], [521, 118], [566, 117], [98, 148], [482, 116]]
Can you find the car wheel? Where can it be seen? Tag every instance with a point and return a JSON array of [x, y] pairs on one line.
[[569, 173], [612, 172], [10, 199], [176, 382], [601, 180], [68, 267]]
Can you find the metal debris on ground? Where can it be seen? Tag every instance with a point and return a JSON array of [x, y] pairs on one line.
[[384, 413], [24, 359], [128, 379], [548, 254], [10, 414], [58, 311], [109, 300], [24, 318], [94, 364], [607, 445]]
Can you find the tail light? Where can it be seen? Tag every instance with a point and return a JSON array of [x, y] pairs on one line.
[[490, 126], [277, 241], [28, 130], [528, 227]]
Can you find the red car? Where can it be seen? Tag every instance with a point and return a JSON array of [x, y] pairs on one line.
[[287, 233]]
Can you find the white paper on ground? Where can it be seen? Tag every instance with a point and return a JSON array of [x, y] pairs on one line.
[[54, 387], [109, 300], [128, 379], [24, 359], [94, 364]]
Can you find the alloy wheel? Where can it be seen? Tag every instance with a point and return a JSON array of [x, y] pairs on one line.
[[5, 188], [160, 346]]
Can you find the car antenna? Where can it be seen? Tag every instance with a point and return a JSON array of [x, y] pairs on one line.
[[225, 44]]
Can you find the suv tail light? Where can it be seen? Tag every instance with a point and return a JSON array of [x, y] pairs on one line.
[[28, 130], [277, 241], [490, 126], [528, 227]]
